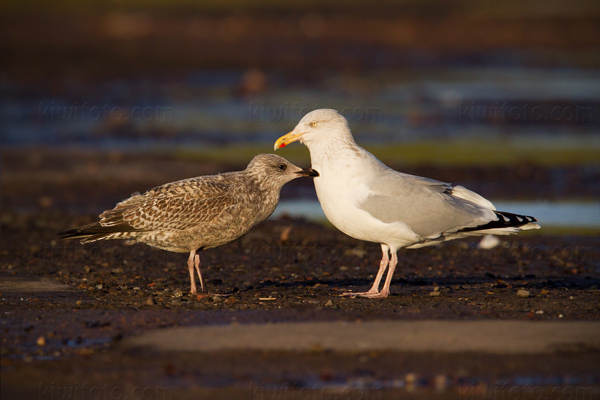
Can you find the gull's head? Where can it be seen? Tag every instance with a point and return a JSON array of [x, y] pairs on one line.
[[318, 126], [275, 171]]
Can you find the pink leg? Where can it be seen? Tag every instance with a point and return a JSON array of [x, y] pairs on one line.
[[388, 279], [197, 264], [191, 269], [382, 267]]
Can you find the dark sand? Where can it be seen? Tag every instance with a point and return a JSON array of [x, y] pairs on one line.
[[69, 310]]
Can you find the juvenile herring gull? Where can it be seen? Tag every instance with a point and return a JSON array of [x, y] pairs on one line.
[[199, 213], [369, 201]]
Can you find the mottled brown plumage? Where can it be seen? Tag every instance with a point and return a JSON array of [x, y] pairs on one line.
[[197, 213]]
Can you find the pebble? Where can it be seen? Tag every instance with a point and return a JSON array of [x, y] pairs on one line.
[[177, 293], [329, 303], [410, 379], [355, 252], [523, 293], [434, 293], [488, 242], [440, 382], [150, 301], [41, 341]]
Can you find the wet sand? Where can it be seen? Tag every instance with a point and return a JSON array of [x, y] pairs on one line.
[[70, 312]]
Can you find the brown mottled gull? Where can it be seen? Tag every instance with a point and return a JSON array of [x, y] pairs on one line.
[[197, 213], [368, 200]]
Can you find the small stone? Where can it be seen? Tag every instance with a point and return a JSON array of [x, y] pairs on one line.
[[329, 303], [410, 379], [285, 235], [434, 293], [440, 382], [355, 252], [78, 302], [150, 301], [45, 201], [488, 242], [99, 287], [41, 341], [523, 293], [177, 293]]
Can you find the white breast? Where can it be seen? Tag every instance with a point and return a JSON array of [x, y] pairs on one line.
[[340, 191]]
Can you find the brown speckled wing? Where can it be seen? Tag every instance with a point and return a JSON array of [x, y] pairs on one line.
[[174, 206]]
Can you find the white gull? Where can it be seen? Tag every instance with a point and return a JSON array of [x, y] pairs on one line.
[[369, 201]]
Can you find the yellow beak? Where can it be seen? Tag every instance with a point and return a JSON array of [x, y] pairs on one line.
[[287, 139]]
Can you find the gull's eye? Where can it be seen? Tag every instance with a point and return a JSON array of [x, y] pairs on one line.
[[314, 124], [282, 167]]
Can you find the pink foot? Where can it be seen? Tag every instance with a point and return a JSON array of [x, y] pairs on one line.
[[361, 294], [370, 294]]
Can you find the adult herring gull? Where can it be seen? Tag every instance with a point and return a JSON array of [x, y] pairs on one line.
[[199, 213], [369, 201]]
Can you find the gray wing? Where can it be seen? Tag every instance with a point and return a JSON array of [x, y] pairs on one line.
[[174, 206], [427, 206]]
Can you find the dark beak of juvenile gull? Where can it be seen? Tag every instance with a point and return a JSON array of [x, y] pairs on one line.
[[308, 172]]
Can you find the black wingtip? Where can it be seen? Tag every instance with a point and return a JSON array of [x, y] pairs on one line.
[[71, 233], [505, 220], [82, 231]]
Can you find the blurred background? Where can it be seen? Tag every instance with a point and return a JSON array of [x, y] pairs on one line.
[[501, 96], [103, 98]]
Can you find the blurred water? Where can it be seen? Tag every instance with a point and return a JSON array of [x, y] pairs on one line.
[[222, 107]]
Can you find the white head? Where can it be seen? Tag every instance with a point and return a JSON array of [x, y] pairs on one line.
[[323, 127]]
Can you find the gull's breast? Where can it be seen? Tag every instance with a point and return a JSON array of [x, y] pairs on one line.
[[340, 199]]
